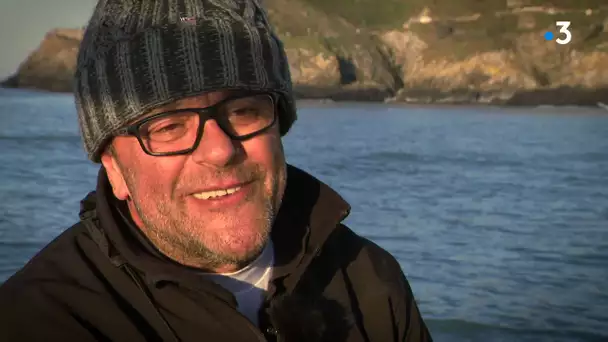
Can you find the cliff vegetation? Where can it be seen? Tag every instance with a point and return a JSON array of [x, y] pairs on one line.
[[439, 51]]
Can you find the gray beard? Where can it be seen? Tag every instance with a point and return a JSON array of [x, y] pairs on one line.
[[171, 236], [181, 245]]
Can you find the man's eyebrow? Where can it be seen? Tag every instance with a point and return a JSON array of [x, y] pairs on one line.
[[180, 104], [167, 107], [164, 108]]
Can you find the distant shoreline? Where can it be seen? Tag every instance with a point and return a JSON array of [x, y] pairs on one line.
[[558, 97]]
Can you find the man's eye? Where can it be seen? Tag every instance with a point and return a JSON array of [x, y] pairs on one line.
[[248, 112], [167, 128], [245, 111]]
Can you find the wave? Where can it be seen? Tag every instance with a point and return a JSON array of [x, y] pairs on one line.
[[456, 330], [21, 244], [43, 138], [22, 93], [393, 155], [465, 158]]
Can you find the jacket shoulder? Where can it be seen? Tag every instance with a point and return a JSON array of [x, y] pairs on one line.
[[41, 300], [363, 257], [49, 262], [378, 289]]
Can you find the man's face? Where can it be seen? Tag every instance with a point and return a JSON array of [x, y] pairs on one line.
[[187, 204]]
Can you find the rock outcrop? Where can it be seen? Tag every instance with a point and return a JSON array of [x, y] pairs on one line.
[[51, 65], [493, 55]]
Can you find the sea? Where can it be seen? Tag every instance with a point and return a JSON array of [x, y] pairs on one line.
[[498, 216]]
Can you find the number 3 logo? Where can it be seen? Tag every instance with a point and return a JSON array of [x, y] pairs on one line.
[[563, 28]]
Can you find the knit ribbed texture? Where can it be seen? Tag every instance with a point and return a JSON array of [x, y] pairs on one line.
[[139, 54]]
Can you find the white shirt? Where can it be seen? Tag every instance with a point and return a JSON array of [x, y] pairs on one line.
[[249, 284]]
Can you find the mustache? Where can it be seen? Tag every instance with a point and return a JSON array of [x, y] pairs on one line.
[[203, 178]]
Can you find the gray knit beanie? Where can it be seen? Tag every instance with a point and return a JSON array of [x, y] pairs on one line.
[[140, 54]]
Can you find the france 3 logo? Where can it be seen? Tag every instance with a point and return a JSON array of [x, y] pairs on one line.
[[565, 36]]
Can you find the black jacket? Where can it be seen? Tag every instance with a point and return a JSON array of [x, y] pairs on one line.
[[102, 280]]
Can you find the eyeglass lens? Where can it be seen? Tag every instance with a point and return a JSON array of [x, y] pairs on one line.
[[178, 130]]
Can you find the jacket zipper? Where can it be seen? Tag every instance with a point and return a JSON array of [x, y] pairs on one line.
[[138, 281], [255, 330]]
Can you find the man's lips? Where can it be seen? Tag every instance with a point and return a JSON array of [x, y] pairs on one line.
[[218, 191], [205, 195]]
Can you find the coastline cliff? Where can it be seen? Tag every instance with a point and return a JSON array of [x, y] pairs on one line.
[[416, 53], [51, 66]]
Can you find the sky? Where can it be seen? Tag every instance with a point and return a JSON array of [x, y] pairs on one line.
[[23, 24]]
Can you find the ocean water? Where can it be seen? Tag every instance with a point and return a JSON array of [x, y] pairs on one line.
[[498, 216]]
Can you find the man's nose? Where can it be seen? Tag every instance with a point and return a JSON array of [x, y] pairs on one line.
[[215, 148]]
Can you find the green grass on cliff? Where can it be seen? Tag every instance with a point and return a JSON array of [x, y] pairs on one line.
[[303, 26], [457, 40], [460, 28], [388, 14], [372, 14]]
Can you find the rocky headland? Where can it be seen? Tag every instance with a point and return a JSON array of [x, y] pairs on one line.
[[472, 52]]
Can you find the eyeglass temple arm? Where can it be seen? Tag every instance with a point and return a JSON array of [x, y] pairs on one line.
[[124, 131]]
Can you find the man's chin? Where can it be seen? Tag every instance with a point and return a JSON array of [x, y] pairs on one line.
[[241, 252], [242, 240], [230, 244]]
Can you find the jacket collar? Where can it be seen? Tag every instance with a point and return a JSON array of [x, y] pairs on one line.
[[310, 211]]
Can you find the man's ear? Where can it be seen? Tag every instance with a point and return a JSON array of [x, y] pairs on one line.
[[115, 175]]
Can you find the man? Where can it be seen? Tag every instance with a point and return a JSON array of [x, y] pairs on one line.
[[198, 229]]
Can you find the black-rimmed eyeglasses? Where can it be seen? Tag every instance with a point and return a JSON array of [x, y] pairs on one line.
[[179, 131]]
